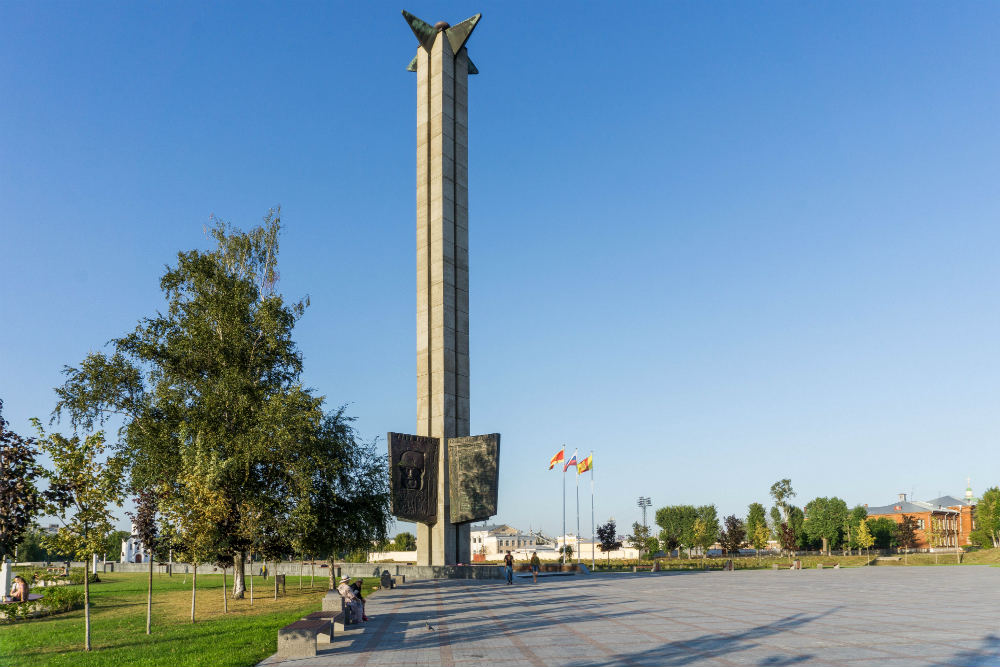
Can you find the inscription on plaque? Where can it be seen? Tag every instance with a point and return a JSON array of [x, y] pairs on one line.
[[473, 477], [413, 465]]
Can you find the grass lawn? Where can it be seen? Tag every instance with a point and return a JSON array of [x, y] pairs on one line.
[[244, 636]]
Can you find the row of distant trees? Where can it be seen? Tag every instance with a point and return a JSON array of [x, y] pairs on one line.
[[224, 449], [824, 524]]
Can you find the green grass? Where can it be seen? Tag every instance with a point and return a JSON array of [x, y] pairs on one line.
[[244, 636]]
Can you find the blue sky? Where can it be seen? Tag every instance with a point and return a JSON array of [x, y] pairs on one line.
[[719, 244]]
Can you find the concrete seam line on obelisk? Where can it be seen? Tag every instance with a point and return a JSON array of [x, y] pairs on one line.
[[434, 483]]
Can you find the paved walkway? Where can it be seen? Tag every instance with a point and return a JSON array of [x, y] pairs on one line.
[[885, 616]]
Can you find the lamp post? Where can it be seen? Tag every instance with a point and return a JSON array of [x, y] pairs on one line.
[[644, 502]]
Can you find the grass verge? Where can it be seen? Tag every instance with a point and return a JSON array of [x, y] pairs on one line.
[[244, 636]]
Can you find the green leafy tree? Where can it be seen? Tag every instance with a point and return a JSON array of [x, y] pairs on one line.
[[652, 546], [782, 493], [676, 524], [706, 529], [825, 521], [639, 538], [850, 529], [196, 510], [82, 487], [796, 521], [865, 539], [32, 547], [406, 542], [756, 515], [219, 366], [111, 545], [883, 530], [759, 538], [607, 535], [20, 499], [341, 503], [733, 535], [987, 515]]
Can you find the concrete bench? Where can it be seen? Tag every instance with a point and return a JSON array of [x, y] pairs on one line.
[[298, 639], [333, 603], [834, 566], [337, 618]]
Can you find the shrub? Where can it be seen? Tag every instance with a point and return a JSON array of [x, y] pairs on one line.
[[57, 599], [62, 598]]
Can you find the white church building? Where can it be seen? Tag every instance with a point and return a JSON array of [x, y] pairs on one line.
[[132, 551]]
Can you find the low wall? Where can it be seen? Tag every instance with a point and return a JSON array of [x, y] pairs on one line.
[[412, 572]]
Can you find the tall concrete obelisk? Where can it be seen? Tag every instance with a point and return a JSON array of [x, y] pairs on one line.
[[442, 66]]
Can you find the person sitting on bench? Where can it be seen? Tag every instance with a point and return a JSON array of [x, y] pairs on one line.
[[352, 599], [19, 591]]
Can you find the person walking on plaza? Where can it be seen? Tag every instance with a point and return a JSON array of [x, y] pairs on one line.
[[508, 562], [535, 565]]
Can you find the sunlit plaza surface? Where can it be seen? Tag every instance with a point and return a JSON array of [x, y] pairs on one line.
[[888, 616]]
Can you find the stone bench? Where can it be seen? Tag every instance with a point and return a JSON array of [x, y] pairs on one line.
[[298, 639], [834, 566], [337, 618]]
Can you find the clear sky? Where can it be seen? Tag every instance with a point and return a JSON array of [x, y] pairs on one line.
[[717, 243]]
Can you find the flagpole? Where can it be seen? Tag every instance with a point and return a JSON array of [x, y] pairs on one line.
[[564, 509], [593, 565], [575, 455]]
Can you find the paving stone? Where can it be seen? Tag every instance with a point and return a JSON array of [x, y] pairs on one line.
[[915, 616]]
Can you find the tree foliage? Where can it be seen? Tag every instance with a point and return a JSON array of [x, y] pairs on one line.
[[214, 408], [987, 515], [865, 539], [756, 515], [733, 535], [782, 493], [82, 487], [760, 537], [20, 499], [706, 527], [906, 532], [676, 524], [883, 530], [405, 542], [639, 539], [825, 519], [607, 535]]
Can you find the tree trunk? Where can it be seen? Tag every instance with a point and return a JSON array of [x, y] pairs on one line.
[[331, 561], [239, 580], [312, 572], [149, 595], [301, 567], [194, 589], [275, 577], [86, 603], [225, 597], [251, 579]]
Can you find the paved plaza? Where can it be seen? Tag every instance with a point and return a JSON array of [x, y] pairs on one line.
[[886, 616]]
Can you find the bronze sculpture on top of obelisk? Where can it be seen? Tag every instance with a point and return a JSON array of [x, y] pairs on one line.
[[442, 478]]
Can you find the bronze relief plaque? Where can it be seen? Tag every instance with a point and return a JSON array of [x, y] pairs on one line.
[[413, 471], [473, 477]]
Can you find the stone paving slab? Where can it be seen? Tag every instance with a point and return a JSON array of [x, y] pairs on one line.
[[891, 617]]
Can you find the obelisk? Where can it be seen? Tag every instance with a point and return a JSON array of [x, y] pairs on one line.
[[442, 66]]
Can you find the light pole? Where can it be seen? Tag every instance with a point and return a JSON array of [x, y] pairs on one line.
[[644, 502]]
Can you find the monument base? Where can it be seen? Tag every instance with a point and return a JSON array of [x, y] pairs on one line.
[[443, 543]]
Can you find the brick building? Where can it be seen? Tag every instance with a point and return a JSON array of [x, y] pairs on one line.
[[949, 519]]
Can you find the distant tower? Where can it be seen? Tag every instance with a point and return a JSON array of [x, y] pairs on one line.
[[968, 490]]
